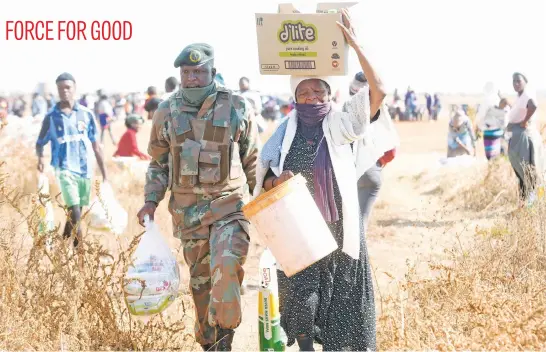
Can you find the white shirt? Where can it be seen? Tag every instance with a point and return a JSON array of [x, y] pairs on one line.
[[494, 118], [519, 110], [385, 137], [105, 108]]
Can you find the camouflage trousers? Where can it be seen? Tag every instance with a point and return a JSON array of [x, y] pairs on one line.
[[216, 274]]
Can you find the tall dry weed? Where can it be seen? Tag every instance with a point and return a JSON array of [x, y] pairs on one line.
[[64, 299], [491, 295], [480, 188], [496, 187]]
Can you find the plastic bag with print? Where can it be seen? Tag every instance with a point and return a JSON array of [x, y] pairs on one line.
[[152, 282]]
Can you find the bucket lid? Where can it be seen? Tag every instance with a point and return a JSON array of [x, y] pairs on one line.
[[266, 199]]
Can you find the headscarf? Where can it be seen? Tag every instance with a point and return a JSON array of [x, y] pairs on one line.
[[520, 74], [458, 119], [295, 81], [310, 118], [459, 127]]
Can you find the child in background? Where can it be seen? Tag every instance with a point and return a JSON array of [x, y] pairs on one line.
[[128, 146]]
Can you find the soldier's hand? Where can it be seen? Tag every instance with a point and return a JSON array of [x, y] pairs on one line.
[[148, 209], [284, 176]]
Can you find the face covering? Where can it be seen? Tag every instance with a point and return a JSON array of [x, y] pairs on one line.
[[196, 96], [310, 117]]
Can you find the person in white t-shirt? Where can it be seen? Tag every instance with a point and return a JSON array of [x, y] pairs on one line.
[[525, 148]]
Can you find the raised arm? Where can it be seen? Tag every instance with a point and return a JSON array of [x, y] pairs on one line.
[[353, 123], [377, 90]]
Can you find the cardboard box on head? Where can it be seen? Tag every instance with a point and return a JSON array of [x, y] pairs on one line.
[[294, 43]]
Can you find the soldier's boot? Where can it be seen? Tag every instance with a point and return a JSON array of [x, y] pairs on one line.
[[208, 347], [224, 339]]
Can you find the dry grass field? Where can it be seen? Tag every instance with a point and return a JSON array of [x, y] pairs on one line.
[[456, 265]]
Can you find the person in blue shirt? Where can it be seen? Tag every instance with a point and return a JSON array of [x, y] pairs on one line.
[[72, 131]]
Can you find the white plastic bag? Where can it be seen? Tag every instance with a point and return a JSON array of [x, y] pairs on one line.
[[114, 218], [132, 164], [151, 284]]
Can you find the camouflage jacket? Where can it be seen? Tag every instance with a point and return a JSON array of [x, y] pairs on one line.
[[173, 137]]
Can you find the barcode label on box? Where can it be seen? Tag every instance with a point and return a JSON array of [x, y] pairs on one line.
[[300, 65]]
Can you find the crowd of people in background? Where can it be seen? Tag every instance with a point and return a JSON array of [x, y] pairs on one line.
[[412, 109], [109, 108], [494, 126]]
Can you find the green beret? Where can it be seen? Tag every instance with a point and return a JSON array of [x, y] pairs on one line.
[[195, 55]]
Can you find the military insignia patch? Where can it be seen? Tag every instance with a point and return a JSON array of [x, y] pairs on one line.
[[195, 56]]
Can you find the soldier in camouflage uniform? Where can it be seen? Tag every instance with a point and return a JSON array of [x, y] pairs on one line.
[[204, 149]]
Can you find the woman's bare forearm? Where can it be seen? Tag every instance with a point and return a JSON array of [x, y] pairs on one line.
[[377, 89]]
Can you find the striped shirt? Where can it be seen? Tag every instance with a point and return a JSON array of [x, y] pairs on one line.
[[71, 137]]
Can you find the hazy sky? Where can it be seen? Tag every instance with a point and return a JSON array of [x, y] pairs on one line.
[[446, 45]]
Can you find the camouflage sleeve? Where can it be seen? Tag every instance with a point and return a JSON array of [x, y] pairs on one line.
[[157, 176], [249, 141]]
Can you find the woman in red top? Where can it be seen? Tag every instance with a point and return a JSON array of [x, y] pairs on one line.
[[127, 145]]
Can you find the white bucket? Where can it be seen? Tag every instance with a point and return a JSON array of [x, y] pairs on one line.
[[289, 222]]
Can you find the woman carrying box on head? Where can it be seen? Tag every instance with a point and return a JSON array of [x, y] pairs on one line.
[[332, 301]]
